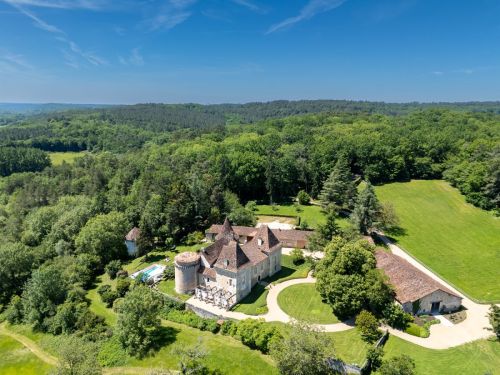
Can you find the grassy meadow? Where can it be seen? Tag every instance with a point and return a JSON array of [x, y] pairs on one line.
[[17, 359], [58, 158], [458, 241], [303, 302]]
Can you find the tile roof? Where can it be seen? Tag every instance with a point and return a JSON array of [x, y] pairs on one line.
[[292, 234], [232, 257], [410, 283], [263, 241], [239, 230], [133, 235]]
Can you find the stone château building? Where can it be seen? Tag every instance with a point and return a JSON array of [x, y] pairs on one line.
[[225, 272]]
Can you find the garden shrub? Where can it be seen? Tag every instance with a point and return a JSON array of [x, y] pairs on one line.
[[297, 256], [14, 312], [111, 353], [194, 238], [303, 198], [396, 317], [169, 272], [122, 274], [108, 295], [122, 286], [192, 320], [368, 324], [112, 268], [415, 330], [255, 334]]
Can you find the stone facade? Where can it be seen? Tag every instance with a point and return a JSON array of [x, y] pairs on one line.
[[443, 302], [228, 269]]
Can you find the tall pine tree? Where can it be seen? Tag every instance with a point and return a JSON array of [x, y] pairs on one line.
[[339, 189], [366, 211]]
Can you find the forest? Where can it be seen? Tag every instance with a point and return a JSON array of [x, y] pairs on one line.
[[64, 225]]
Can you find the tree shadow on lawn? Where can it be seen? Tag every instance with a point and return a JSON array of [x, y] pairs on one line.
[[395, 232], [285, 272], [165, 336], [254, 295]]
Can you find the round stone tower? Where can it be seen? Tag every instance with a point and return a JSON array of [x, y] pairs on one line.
[[186, 269]]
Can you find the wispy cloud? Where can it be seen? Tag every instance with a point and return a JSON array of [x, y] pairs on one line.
[[13, 62], [135, 58], [248, 4], [437, 73], [61, 4], [60, 35], [171, 14], [311, 9]]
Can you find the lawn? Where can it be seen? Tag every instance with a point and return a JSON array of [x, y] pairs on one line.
[[16, 359], [349, 346], [254, 303], [312, 214], [453, 238], [303, 302], [289, 270], [58, 158], [476, 358]]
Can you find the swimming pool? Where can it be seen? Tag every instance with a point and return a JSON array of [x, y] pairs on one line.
[[149, 272]]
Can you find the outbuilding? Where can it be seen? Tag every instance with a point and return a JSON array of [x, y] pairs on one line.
[[417, 292]]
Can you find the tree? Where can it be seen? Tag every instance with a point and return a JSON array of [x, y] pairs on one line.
[[303, 198], [103, 236], [191, 360], [368, 324], [16, 263], [122, 287], [303, 351], [330, 229], [138, 323], [339, 189], [112, 268], [375, 355], [494, 317], [387, 218], [366, 211], [400, 365], [46, 289], [78, 357], [297, 256], [348, 281]]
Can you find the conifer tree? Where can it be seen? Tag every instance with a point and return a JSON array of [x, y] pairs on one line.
[[366, 211], [339, 189]]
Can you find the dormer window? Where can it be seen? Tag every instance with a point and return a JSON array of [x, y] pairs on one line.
[[260, 241]]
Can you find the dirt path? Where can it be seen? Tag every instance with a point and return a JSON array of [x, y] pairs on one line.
[[31, 345]]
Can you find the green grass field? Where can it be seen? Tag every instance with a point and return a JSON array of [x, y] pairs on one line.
[[16, 359], [453, 238], [476, 358], [57, 158], [349, 346], [254, 303], [312, 214], [303, 302]]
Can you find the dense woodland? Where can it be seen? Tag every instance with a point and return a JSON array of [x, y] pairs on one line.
[[63, 225]]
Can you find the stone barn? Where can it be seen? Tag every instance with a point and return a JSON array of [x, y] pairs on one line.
[[417, 292]]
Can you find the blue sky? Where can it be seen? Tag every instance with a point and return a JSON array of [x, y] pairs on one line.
[[212, 51]]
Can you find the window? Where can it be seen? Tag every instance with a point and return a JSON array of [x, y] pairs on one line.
[[230, 282]]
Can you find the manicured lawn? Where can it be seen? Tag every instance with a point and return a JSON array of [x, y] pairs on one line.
[[453, 238], [311, 214], [303, 302], [289, 270], [57, 158], [349, 346], [255, 302], [16, 359], [476, 358], [168, 287]]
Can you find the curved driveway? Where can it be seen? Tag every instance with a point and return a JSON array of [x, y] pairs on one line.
[[443, 336]]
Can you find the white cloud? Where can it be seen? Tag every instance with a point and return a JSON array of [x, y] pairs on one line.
[[173, 13], [14, 62], [135, 58], [438, 73], [60, 4], [247, 4], [312, 8]]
